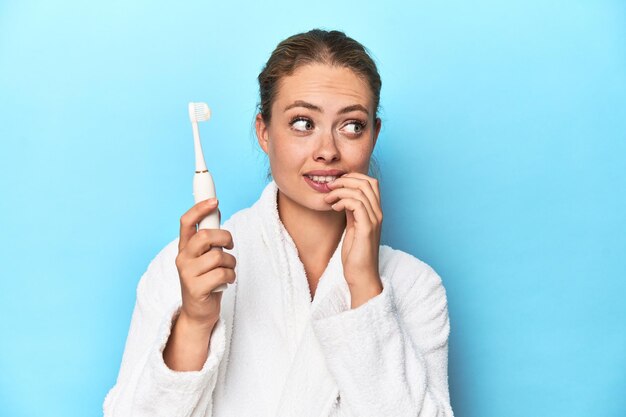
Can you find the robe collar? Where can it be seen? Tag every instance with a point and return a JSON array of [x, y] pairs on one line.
[[310, 389], [288, 264]]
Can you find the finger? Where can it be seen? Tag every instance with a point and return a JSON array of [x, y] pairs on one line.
[[365, 186], [361, 218], [373, 182], [217, 277], [211, 260], [205, 239], [353, 193], [192, 217]]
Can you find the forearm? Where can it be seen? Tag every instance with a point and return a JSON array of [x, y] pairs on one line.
[[149, 382], [188, 345]]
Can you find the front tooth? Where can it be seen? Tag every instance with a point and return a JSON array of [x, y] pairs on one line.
[[325, 179]]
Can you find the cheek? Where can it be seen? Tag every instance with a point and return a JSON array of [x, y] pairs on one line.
[[284, 154], [358, 159]]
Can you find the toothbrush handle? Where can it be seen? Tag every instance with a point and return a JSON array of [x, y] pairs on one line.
[[203, 189]]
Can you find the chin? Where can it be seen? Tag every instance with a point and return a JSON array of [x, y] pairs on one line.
[[304, 196], [321, 207], [313, 202]]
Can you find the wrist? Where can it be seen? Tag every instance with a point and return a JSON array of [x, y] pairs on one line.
[[190, 326], [188, 345], [359, 295]]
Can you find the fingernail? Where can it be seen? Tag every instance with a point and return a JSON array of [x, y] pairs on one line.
[[212, 201]]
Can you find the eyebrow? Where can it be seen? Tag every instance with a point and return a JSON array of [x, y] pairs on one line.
[[300, 103]]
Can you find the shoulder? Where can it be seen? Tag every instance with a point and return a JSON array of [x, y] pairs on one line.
[[239, 220]]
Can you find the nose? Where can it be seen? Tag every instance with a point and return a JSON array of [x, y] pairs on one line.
[[326, 149]]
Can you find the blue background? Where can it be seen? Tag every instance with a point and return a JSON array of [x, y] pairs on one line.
[[503, 160]]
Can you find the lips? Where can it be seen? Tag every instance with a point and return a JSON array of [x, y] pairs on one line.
[[319, 179], [326, 173], [323, 176]]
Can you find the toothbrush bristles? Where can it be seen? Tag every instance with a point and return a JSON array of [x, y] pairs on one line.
[[201, 112]]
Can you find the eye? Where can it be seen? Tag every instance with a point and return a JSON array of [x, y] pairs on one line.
[[355, 127], [301, 124]]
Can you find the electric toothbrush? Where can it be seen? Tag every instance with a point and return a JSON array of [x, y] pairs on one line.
[[203, 185]]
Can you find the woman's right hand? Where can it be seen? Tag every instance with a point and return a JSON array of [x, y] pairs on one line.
[[201, 269]]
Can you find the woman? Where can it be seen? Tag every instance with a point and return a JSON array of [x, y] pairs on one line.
[[320, 319]]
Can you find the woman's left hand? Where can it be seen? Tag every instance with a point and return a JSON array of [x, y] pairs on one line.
[[358, 195]]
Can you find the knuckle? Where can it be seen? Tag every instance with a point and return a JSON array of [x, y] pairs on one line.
[[219, 257], [179, 261], [185, 220], [205, 234], [221, 274], [212, 259]]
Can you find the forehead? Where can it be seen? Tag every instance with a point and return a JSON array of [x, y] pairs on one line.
[[324, 85]]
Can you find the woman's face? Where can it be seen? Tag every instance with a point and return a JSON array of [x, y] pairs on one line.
[[322, 125]]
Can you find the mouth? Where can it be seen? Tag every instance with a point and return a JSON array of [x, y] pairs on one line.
[[321, 179], [324, 177], [318, 180]]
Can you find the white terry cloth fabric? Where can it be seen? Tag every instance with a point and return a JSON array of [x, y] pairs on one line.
[[276, 352]]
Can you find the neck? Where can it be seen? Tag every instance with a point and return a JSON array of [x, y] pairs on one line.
[[315, 233]]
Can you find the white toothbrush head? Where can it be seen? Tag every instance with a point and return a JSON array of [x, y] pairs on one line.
[[199, 112]]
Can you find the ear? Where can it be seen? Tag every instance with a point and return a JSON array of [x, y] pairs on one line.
[[377, 127], [262, 133]]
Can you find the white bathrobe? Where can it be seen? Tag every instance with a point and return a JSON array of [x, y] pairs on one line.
[[276, 352]]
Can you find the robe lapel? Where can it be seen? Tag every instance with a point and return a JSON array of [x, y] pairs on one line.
[[310, 389]]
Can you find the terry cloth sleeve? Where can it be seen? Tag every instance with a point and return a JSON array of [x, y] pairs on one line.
[[145, 385], [389, 356]]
